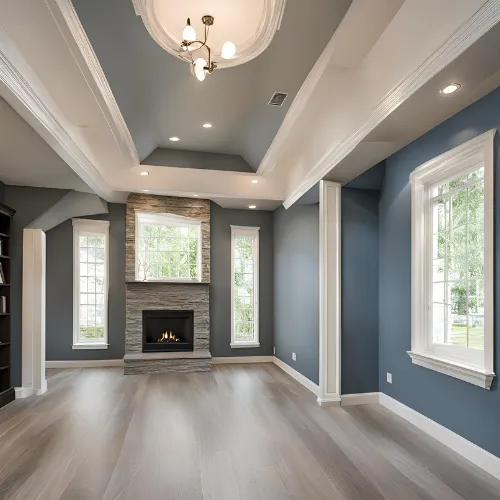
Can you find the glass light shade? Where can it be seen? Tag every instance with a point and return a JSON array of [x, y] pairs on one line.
[[228, 50], [189, 34], [199, 68]]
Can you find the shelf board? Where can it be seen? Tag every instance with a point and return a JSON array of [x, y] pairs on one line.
[[4, 343], [4, 257], [4, 314], [4, 235], [4, 368], [4, 284]]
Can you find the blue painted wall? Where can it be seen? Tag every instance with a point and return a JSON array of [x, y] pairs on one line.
[[296, 287], [470, 411], [360, 290]]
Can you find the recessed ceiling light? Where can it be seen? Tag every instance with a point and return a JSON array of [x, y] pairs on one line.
[[450, 88], [144, 173], [145, 190], [196, 195], [255, 181], [173, 139], [207, 125], [252, 207]]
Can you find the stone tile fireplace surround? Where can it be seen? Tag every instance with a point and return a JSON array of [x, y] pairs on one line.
[[148, 296]]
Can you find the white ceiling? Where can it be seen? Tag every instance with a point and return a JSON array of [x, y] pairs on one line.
[[27, 160], [477, 70], [372, 90]]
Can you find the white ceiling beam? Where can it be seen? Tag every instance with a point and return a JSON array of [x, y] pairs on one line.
[[22, 89], [463, 36]]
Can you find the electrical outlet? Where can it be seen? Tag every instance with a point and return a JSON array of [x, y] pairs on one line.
[[274, 351], [294, 356], [389, 378]]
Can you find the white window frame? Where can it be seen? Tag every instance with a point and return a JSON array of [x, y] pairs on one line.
[[83, 227], [475, 367], [252, 232], [164, 219]]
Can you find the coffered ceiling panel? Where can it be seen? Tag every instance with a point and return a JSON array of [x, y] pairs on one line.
[[160, 98]]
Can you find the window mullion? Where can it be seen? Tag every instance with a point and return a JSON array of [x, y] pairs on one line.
[[467, 266]]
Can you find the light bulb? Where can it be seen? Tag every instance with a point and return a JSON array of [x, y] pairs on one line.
[[199, 68], [449, 89], [189, 34], [228, 50]]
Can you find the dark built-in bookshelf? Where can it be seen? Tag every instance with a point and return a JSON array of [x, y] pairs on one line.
[[6, 390]]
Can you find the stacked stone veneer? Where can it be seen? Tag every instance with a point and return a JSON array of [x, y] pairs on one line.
[[164, 295]]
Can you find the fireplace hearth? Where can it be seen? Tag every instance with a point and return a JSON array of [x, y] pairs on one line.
[[167, 331]]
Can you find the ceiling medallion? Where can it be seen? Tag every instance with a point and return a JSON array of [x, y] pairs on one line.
[[250, 25], [190, 48]]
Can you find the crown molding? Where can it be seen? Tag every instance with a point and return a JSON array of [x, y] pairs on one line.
[[23, 85], [468, 33], [269, 23], [76, 38]]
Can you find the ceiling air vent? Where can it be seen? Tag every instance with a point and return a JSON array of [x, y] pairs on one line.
[[277, 99]]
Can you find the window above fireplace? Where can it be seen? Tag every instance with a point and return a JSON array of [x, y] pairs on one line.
[[167, 247]]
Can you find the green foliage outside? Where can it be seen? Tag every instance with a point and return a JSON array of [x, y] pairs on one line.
[[243, 289], [459, 259], [168, 252], [90, 332]]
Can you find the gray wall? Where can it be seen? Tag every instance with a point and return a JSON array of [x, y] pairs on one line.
[[296, 288], [220, 287], [466, 409], [360, 290], [59, 322], [29, 203]]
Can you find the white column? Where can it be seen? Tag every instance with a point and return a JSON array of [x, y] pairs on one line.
[[33, 318], [329, 293]]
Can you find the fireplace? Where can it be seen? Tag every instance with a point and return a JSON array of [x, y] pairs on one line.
[[167, 331]]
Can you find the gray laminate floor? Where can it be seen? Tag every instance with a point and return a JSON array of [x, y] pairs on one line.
[[245, 432]]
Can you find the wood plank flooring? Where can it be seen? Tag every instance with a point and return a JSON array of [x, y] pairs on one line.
[[241, 432]]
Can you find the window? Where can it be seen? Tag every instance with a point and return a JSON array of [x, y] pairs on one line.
[[452, 262], [167, 248], [244, 286], [90, 301]]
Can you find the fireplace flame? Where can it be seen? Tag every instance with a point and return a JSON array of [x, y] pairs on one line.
[[168, 337]]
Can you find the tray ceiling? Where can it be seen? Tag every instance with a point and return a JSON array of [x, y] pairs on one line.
[[159, 98]]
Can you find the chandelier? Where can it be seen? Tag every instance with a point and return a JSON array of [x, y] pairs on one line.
[[191, 49]]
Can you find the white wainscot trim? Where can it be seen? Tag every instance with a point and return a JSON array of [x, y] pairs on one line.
[[363, 398], [229, 360], [478, 456], [85, 363], [471, 374], [301, 379]]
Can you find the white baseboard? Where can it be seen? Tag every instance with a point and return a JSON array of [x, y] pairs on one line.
[[330, 401], [478, 456], [362, 398], [308, 384], [90, 363], [25, 392], [242, 359]]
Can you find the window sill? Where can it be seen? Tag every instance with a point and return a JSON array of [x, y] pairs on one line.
[[470, 374], [90, 346], [236, 345]]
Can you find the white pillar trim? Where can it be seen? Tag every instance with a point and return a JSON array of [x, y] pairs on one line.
[[33, 315], [329, 292]]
